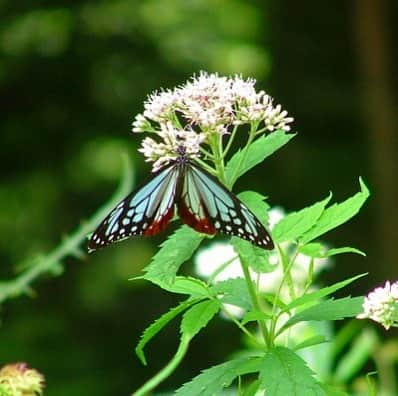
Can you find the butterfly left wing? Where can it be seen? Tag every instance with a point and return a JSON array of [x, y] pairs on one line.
[[207, 206], [145, 212]]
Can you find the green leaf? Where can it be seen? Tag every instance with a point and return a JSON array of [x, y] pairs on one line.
[[333, 391], [337, 214], [158, 325], [314, 250], [198, 316], [295, 224], [245, 159], [311, 341], [212, 381], [177, 249], [252, 389], [347, 249], [317, 295], [253, 256], [254, 316], [256, 203], [188, 285], [284, 373], [331, 309], [317, 250], [232, 291]]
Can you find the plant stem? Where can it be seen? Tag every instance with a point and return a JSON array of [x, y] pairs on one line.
[[166, 370], [51, 262], [256, 305], [252, 135]]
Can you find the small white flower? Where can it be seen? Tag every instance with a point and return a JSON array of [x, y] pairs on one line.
[[381, 305], [160, 153], [141, 124], [160, 105]]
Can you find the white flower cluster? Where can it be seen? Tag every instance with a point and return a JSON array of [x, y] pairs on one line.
[[381, 305], [208, 103]]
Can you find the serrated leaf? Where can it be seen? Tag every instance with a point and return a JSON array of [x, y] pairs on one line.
[[333, 391], [256, 203], [158, 325], [254, 316], [244, 160], [337, 214], [311, 341], [295, 224], [317, 250], [314, 250], [317, 295], [198, 316], [232, 291], [188, 285], [212, 381], [284, 373], [331, 309], [254, 257], [177, 249]]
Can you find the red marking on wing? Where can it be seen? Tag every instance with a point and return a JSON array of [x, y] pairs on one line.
[[158, 226], [202, 225]]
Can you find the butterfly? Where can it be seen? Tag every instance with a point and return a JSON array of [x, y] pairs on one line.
[[202, 203]]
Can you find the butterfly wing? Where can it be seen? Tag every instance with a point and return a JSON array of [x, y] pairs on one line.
[[144, 212], [207, 206]]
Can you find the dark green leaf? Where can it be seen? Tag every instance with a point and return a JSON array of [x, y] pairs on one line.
[[283, 373], [244, 160], [256, 203], [253, 316], [232, 291], [188, 285], [338, 309], [333, 391], [198, 316], [337, 214], [317, 295], [253, 256], [311, 341], [177, 249], [158, 325], [212, 381], [296, 224]]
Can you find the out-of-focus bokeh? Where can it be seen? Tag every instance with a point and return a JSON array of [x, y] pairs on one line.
[[72, 77]]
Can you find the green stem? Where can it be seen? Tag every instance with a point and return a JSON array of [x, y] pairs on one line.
[[50, 263], [230, 140], [221, 268], [255, 303], [287, 276], [252, 135], [166, 370]]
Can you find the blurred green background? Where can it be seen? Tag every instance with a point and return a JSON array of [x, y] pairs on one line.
[[72, 77]]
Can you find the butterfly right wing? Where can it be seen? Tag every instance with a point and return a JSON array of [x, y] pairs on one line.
[[144, 212]]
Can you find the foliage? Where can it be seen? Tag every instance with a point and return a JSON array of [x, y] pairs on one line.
[[280, 370]]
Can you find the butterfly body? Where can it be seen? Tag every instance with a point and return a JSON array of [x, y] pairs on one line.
[[202, 202]]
